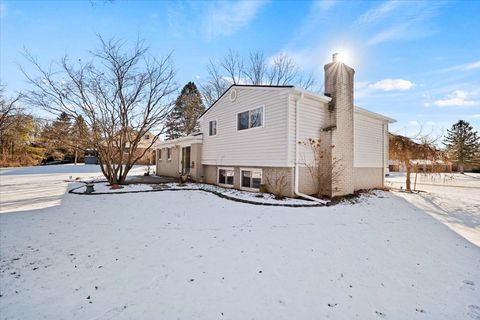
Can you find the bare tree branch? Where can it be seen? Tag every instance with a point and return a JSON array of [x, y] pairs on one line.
[[121, 93]]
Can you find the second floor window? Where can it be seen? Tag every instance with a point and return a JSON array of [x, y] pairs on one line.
[[212, 128], [250, 119]]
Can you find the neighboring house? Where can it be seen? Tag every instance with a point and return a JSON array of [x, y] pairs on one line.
[[422, 165], [145, 143], [91, 155], [253, 135]]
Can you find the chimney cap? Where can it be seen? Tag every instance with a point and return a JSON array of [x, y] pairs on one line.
[[335, 57]]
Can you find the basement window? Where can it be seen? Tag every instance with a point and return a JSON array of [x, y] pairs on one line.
[[251, 179], [226, 177]]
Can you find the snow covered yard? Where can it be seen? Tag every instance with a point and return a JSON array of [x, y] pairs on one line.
[[451, 198], [193, 255], [42, 186]]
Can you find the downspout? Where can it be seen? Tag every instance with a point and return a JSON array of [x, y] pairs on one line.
[[297, 151], [384, 171]]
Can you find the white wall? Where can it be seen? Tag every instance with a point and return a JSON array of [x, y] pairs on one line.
[[264, 146], [313, 115], [369, 142]]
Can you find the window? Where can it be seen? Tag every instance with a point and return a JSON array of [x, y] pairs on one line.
[[159, 154], [242, 120], [250, 119], [168, 154], [225, 176], [251, 178], [147, 137], [212, 128]]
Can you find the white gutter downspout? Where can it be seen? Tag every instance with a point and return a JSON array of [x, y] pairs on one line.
[[297, 151]]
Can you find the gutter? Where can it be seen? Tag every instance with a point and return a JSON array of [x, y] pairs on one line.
[[297, 151]]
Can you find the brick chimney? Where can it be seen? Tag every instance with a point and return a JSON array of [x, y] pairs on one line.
[[339, 132]]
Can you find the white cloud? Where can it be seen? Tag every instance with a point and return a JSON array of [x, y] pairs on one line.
[[463, 67], [414, 123], [226, 18], [431, 123], [3, 9], [458, 98], [473, 65], [400, 20], [377, 13], [392, 33], [392, 85]]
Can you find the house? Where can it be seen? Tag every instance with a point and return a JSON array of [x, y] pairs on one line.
[[422, 165], [146, 143], [254, 135], [144, 150]]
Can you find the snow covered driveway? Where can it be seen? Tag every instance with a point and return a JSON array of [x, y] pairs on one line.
[[193, 255]]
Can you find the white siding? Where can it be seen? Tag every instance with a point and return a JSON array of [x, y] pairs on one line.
[[313, 115], [265, 146], [369, 142]]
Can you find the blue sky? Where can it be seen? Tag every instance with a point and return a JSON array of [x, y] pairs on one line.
[[415, 61]]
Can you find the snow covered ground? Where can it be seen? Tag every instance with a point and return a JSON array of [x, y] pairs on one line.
[[193, 255], [43, 186], [451, 198]]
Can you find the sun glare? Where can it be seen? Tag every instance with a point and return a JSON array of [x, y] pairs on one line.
[[343, 56]]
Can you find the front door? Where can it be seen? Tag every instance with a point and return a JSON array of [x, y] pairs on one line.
[[185, 160]]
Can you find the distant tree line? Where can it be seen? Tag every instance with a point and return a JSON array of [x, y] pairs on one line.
[[28, 140]]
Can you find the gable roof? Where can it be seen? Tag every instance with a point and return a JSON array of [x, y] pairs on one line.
[[241, 85], [372, 114]]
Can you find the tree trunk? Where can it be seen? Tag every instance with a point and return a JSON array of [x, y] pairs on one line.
[[460, 167], [76, 154], [409, 170]]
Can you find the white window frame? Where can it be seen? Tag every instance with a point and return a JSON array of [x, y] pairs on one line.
[[169, 154], [252, 170], [216, 127], [160, 154], [251, 109], [218, 177]]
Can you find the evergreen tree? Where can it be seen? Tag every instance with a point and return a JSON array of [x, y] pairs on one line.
[[463, 144], [183, 119], [57, 138], [79, 137]]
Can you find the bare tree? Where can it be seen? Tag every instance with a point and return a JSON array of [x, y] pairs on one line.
[[256, 69], [231, 69], [232, 64], [325, 170], [284, 70], [409, 151], [121, 94], [276, 182], [216, 84], [8, 106]]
